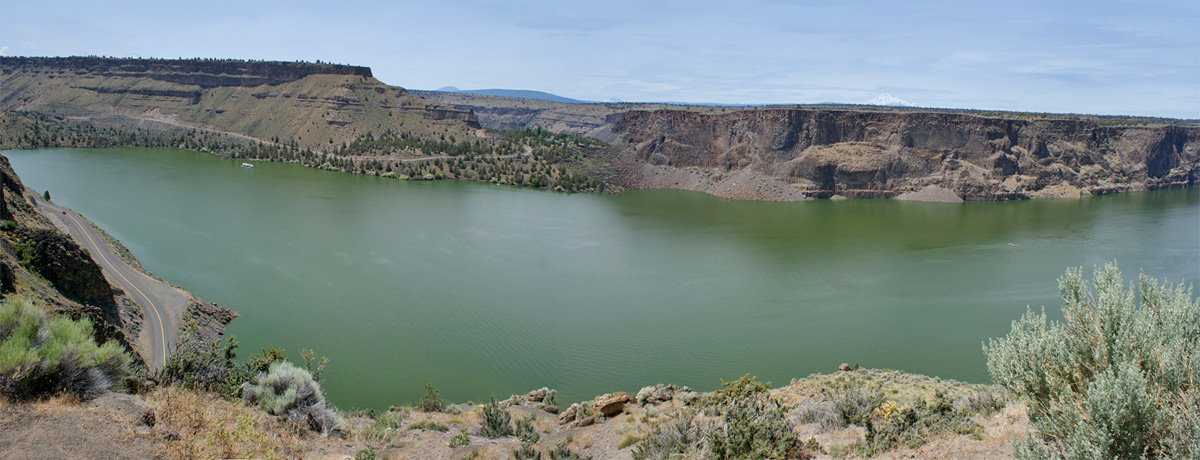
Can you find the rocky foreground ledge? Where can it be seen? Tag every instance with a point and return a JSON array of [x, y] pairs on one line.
[[857, 414]]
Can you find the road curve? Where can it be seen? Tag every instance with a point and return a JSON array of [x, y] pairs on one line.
[[162, 304]]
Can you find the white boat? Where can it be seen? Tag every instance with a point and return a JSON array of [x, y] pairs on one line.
[[247, 165]]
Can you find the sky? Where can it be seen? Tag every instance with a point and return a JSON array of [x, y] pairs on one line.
[[1103, 57]]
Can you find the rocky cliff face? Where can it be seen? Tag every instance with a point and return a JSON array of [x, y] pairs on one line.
[[50, 267], [205, 73], [824, 153]]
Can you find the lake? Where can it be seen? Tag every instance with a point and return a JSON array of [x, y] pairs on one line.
[[487, 290]]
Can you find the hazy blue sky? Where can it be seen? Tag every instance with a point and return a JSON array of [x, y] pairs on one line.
[[1112, 57]]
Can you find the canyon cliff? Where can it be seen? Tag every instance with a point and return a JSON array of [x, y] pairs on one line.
[[862, 154], [316, 105]]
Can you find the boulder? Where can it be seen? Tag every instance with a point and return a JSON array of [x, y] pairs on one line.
[[844, 367], [586, 421], [568, 416], [538, 395], [611, 404], [541, 398], [659, 393]]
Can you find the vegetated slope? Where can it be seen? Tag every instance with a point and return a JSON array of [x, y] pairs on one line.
[[332, 117], [40, 262], [316, 105]]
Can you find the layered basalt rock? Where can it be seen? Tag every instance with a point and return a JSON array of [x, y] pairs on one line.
[[825, 153]]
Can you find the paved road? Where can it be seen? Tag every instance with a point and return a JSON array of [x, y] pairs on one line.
[[162, 304]]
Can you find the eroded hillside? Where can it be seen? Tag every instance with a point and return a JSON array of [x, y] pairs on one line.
[[316, 105]]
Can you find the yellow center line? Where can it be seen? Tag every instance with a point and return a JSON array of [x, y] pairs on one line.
[[161, 332]]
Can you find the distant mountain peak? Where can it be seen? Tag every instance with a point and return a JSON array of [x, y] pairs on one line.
[[889, 100], [514, 93]]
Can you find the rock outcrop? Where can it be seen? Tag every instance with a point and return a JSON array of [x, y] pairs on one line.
[[825, 153], [205, 73], [611, 404]]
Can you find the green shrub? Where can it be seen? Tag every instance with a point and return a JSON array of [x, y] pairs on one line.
[[1115, 379], [288, 390], [496, 421], [892, 425], [561, 452], [431, 402], [628, 440], [678, 437], [312, 364], [821, 411], [208, 367], [526, 452], [367, 453], [754, 425], [41, 357], [264, 359], [429, 425], [853, 401], [526, 430], [460, 439], [390, 420], [384, 429]]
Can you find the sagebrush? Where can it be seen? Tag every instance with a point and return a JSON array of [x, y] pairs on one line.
[[1116, 378], [496, 421], [43, 357], [291, 391]]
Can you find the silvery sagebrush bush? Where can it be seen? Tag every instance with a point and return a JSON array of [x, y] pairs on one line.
[[1116, 378], [40, 356], [290, 391]]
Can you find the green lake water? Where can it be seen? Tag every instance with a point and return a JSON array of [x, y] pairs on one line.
[[493, 290]]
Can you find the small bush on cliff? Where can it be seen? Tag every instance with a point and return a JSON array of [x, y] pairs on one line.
[[431, 402], [41, 357], [1116, 379], [526, 452], [291, 391], [853, 401], [754, 424], [680, 437], [202, 366], [893, 425], [496, 421], [526, 430], [562, 452]]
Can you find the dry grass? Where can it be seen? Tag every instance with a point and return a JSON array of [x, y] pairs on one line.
[[196, 425]]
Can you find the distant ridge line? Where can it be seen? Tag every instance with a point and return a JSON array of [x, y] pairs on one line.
[[248, 73], [514, 93]]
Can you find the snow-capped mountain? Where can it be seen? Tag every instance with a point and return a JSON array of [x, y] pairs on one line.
[[890, 100]]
